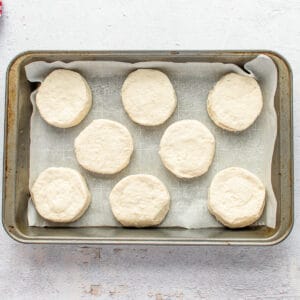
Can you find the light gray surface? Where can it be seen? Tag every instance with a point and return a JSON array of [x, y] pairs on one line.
[[74, 272]]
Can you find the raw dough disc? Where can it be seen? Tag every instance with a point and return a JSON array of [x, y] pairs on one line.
[[60, 195], [235, 102], [104, 147], [140, 201], [148, 97], [64, 98], [236, 197], [187, 148]]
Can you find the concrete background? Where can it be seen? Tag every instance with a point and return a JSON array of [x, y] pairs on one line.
[[76, 272]]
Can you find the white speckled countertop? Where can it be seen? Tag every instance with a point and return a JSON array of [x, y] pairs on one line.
[[110, 272]]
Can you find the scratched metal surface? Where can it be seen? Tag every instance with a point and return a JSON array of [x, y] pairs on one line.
[[16, 165], [39, 271]]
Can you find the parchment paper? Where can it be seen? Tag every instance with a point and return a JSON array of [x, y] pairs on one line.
[[251, 149]]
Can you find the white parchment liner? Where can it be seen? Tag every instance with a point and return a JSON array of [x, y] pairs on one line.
[[251, 149]]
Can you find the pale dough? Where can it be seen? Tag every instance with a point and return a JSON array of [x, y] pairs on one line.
[[236, 197], [104, 147], [64, 98], [148, 97], [187, 148], [60, 195], [140, 201], [235, 102]]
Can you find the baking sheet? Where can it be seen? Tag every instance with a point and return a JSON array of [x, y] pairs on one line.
[[251, 149]]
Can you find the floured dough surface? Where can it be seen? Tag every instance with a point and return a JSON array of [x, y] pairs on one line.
[[187, 148], [140, 201], [64, 98], [236, 197], [104, 147], [148, 97], [60, 195], [235, 102]]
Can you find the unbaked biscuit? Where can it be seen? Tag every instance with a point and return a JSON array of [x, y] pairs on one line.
[[140, 201], [64, 98], [187, 148], [148, 97], [235, 102], [104, 147], [236, 197], [60, 195]]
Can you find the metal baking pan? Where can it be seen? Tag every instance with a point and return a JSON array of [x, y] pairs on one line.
[[16, 158]]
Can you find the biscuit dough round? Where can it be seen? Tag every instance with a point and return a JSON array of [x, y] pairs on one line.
[[64, 98], [140, 201], [104, 147], [235, 102], [236, 197], [187, 148], [60, 195], [148, 97]]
